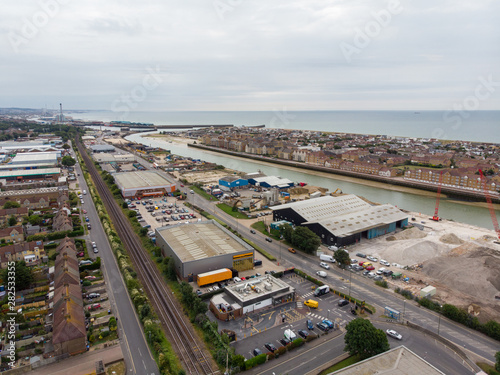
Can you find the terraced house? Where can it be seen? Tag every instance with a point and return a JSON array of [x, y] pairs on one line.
[[31, 252], [12, 234]]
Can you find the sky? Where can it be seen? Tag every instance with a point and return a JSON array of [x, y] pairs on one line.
[[156, 55]]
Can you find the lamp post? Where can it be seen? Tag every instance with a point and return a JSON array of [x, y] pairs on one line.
[[328, 315], [439, 322], [404, 309]]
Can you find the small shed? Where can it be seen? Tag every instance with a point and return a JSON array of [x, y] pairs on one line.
[[428, 291]]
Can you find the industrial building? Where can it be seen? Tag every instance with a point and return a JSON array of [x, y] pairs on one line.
[[202, 247], [271, 182], [114, 158], [22, 175], [36, 159], [342, 220], [102, 148], [140, 184], [233, 181], [251, 295]]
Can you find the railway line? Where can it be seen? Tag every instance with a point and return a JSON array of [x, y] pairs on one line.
[[180, 333]]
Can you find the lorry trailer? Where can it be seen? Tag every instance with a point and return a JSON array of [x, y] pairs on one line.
[[214, 276]]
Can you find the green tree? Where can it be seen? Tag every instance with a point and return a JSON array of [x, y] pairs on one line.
[[171, 274], [145, 311], [12, 221], [305, 239], [35, 220], [112, 324], [143, 231], [68, 161], [11, 204], [497, 364], [364, 339], [132, 213], [23, 276], [342, 258], [66, 146]]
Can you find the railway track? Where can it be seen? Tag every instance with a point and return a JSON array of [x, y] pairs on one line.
[[182, 338]]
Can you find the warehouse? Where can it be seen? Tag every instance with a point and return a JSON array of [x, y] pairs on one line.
[[139, 184], [271, 182], [202, 247], [250, 296], [342, 220], [32, 174], [233, 181], [36, 159], [102, 148]]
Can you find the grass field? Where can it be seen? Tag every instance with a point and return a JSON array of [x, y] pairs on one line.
[[229, 210], [202, 192]]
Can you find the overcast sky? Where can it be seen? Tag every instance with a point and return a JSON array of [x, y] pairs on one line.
[[250, 55]]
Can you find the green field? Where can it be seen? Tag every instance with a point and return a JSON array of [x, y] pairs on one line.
[[229, 210]]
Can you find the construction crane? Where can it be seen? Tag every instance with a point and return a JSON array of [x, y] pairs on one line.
[[436, 217], [490, 204]]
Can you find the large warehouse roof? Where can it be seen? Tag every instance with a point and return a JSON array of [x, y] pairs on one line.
[[273, 180], [100, 148], [344, 215], [27, 157], [29, 172], [201, 240], [140, 180]]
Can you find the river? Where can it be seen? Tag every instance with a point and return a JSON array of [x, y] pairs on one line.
[[406, 198]]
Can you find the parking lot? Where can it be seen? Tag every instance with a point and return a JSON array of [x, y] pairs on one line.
[[269, 325]]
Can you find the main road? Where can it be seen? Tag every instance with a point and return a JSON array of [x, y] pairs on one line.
[[135, 350]]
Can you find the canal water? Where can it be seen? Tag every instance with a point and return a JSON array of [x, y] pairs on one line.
[[410, 199]]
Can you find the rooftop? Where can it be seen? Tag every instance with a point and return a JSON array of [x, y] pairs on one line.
[[102, 147], [201, 240], [11, 193], [396, 361], [140, 179], [258, 286], [29, 172], [25, 165], [26, 157]]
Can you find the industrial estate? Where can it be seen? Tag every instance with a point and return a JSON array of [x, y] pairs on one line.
[[116, 245]]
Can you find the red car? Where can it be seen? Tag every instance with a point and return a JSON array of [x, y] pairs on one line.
[[84, 211], [80, 254], [370, 268], [182, 185], [243, 278]]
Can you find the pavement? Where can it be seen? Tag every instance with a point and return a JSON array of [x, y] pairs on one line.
[[82, 364]]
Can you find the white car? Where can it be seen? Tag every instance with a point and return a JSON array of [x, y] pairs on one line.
[[380, 271], [354, 261], [324, 265], [95, 250], [321, 273], [394, 334], [94, 245], [384, 262], [373, 259]]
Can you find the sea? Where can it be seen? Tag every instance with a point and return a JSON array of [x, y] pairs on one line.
[[474, 126]]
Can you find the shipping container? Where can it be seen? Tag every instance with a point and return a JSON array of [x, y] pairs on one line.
[[214, 276]]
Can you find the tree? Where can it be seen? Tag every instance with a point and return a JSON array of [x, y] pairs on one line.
[[66, 146], [11, 204], [132, 213], [364, 339], [68, 161], [305, 239], [35, 220], [342, 258], [12, 221], [23, 275], [497, 364]]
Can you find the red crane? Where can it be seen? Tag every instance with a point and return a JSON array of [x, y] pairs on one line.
[[490, 204], [436, 217]]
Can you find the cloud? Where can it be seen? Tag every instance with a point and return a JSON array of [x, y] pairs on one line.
[[257, 55]]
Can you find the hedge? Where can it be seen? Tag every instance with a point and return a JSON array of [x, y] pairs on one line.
[[255, 361]]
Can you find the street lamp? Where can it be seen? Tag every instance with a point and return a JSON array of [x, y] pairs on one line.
[[328, 316], [439, 322], [404, 309]]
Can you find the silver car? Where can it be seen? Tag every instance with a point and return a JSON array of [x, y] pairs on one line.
[[394, 334]]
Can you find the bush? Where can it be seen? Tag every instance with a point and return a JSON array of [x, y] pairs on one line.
[[86, 283], [382, 283], [255, 361]]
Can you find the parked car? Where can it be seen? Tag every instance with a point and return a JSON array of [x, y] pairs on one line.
[[309, 324], [366, 272], [95, 250], [292, 250], [80, 254], [284, 341], [354, 261], [378, 278], [268, 239], [89, 226], [371, 275], [94, 244], [324, 265], [303, 333], [322, 326], [343, 302], [370, 268], [257, 352], [87, 219], [270, 347], [384, 262], [373, 259], [361, 255], [84, 211], [394, 334], [329, 323]]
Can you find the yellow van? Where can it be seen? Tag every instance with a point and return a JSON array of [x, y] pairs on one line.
[[311, 303], [366, 264]]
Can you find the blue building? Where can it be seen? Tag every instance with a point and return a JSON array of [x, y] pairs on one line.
[[232, 181], [271, 182]]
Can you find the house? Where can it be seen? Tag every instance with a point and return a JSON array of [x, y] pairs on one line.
[[62, 221], [31, 252], [18, 213], [12, 234]]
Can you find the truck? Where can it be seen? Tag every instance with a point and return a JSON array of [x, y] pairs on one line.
[[322, 290], [327, 258], [214, 276]]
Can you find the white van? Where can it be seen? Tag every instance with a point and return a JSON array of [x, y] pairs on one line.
[[84, 192], [236, 279], [290, 335], [327, 258]]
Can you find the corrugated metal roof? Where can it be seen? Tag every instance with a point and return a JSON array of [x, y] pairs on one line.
[[140, 179], [29, 172]]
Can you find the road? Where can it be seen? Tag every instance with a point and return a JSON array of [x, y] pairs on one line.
[[474, 342], [135, 350]]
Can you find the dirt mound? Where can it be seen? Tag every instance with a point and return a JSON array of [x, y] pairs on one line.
[[465, 248], [416, 253], [451, 238], [450, 272], [408, 234], [298, 191]]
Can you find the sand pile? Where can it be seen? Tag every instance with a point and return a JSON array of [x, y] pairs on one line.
[[463, 249], [408, 234], [481, 281], [298, 191], [416, 253], [451, 238]]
